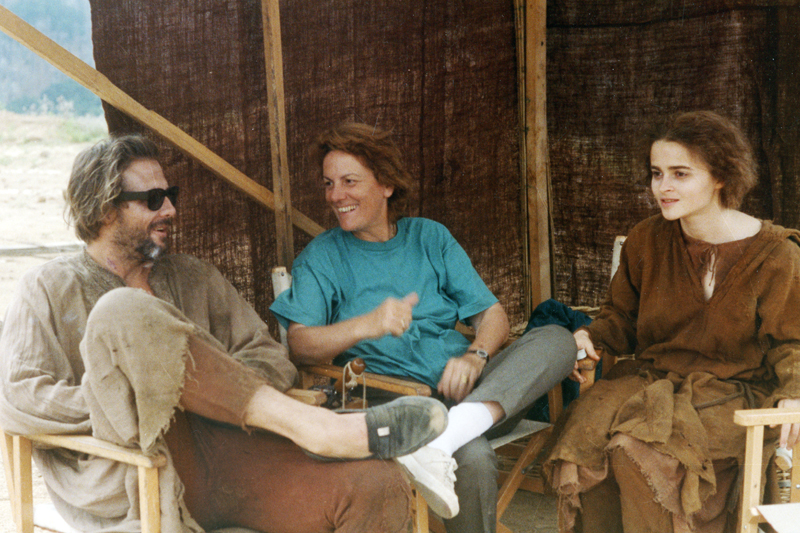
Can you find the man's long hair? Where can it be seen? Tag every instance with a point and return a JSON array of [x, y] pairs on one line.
[[96, 180]]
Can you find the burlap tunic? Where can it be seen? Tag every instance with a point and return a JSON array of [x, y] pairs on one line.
[[42, 370], [696, 361]]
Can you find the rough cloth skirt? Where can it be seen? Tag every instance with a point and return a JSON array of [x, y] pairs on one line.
[[650, 452]]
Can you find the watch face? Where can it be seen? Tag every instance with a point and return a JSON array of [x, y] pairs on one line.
[[483, 354]]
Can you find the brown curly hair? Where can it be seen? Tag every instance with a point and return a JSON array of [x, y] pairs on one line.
[[719, 142], [375, 150]]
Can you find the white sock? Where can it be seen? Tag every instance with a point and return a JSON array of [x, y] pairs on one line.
[[465, 421]]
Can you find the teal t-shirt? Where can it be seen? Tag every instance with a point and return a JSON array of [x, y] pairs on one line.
[[339, 276]]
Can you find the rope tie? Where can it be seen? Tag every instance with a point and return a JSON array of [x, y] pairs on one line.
[[743, 390]]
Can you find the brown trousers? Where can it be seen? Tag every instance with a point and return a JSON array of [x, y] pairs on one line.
[[143, 383]]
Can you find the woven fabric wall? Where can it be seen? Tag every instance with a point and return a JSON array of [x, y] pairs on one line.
[[440, 74], [613, 67]]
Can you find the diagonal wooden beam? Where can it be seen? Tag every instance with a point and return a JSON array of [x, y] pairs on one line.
[[96, 82], [273, 57]]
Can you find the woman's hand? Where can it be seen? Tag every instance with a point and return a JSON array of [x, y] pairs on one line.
[[460, 375], [789, 432], [320, 344], [393, 317], [584, 342]]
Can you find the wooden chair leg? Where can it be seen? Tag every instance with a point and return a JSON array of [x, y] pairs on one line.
[[7, 443], [420, 513], [22, 497], [149, 500], [794, 491], [514, 478], [555, 402], [751, 493]]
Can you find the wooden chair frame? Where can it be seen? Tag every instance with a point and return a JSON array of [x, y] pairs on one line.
[[17, 459], [754, 420]]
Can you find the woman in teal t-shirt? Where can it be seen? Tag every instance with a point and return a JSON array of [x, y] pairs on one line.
[[390, 290]]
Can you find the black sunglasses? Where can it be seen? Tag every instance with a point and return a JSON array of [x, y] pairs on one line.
[[154, 197]]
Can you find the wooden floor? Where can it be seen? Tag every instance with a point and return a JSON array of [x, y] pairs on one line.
[[527, 513]]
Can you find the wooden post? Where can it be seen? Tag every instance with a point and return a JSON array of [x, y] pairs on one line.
[[93, 80], [273, 56], [535, 163]]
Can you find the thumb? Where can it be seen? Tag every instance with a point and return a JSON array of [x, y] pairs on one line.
[[412, 299]]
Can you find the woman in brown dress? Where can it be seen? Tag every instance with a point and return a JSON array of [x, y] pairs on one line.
[[706, 299]]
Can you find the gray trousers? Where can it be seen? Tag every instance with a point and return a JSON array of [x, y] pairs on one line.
[[515, 378]]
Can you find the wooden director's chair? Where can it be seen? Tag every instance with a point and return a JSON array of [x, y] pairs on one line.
[[17, 460], [521, 445]]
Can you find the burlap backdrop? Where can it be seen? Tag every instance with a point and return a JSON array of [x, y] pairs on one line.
[[613, 66], [442, 76]]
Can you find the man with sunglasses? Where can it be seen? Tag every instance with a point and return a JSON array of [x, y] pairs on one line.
[[157, 351]]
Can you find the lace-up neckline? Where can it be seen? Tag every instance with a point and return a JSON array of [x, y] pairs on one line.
[[713, 262]]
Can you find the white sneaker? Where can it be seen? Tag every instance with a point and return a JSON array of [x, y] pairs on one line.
[[433, 474]]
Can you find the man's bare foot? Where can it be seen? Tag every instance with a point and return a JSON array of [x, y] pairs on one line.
[[390, 430]]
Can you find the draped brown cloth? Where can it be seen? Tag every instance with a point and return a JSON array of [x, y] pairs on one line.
[[442, 75]]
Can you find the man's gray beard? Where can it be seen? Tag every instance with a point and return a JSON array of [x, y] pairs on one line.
[[140, 247], [150, 251]]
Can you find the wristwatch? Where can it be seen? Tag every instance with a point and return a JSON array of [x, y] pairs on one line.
[[483, 354]]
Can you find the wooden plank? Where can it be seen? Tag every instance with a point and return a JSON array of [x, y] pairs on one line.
[[399, 386], [101, 86], [512, 483], [7, 442], [420, 513], [273, 56], [537, 174], [22, 498], [752, 479], [519, 29], [794, 490]]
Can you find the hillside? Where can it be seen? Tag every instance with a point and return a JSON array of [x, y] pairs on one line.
[[28, 82]]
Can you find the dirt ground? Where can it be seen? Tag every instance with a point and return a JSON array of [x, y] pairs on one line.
[[36, 155]]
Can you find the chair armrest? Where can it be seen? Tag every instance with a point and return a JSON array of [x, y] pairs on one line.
[[311, 397], [396, 385], [766, 417], [100, 448]]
